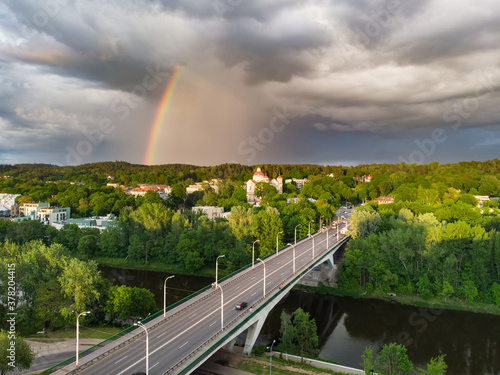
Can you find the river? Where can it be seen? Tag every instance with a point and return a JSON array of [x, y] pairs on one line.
[[346, 326]]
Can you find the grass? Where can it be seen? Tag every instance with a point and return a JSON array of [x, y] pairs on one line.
[[85, 333], [477, 307], [161, 267], [280, 367]]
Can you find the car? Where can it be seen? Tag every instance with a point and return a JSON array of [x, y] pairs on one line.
[[241, 305], [345, 212]]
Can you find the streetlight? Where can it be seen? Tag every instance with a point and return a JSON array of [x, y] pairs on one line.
[[217, 268], [277, 237], [78, 334], [139, 324], [313, 247], [271, 358], [296, 233], [293, 246], [309, 233], [264, 276], [165, 297], [221, 308], [253, 252], [320, 217], [327, 229]]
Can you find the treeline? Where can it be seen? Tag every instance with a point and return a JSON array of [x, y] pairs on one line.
[[154, 232], [52, 287], [448, 251]]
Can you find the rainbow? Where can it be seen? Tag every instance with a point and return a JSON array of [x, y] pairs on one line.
[[165, 100]]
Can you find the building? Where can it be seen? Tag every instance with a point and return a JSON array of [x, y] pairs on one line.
[[98, 222], [481, 199], [14, 210], [162, 190], [199, 186], [212, 212], [43, 212], [8, 200], [4, 211], [386, 199], [299, 182], [261, 177]]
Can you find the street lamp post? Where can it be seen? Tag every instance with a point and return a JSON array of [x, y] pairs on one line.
[[221, 309], [309, 231], [217, 268], [320, 217], [271, 358], [264, 276], [139, 324], [165, 296], [293, 247], [313, 248], [78, 334], [338, 233], [277, 238], [253, 252], [295, 239], [327, 229]]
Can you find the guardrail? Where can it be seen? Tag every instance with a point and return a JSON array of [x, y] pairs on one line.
[[229, 279], [291, 281]]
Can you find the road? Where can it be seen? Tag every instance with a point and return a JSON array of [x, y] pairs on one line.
[[181, 334]]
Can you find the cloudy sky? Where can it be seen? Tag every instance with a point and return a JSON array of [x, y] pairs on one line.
[[262, 81]]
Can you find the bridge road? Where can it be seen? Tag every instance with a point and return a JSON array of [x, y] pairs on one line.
[[171, 342]]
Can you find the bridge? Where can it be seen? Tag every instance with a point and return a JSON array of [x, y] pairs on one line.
[[203, 323]]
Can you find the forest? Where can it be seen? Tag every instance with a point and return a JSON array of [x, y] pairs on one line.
[[433, 242]]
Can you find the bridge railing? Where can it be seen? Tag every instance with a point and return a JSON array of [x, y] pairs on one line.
[[125, 337], [222, 335]]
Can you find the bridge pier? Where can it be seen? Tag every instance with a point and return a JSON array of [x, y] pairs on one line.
[[252, 334], [330, 260]]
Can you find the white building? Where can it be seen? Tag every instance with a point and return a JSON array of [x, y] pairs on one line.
[[162, 190], [8, 200], [99, 222], [212, 212], [261, 177], [299, 182], [43, 212]]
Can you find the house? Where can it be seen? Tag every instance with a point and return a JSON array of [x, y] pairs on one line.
[[212, 212], [4, 211], [199, 186], [8, 200], [261, 177], [386, 199], [299, 182], [481, 199], [98, 222], [162, 190], [43, 212]]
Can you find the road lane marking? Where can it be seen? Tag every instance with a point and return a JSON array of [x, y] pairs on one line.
[[154, 365], [253, 294], [164, 333], [193, 315], [201, 320], [212, 323], [183, 344], [121, 359]]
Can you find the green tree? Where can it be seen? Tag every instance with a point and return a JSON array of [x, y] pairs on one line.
[[305, 335], [23, 357], [436, 366], [393, 360], [130, 302], [363, 222], [287, 333], [368, 363], [495, 291], [80, 282], [447, 290]]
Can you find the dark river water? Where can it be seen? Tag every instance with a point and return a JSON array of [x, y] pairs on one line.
[[346, 326]]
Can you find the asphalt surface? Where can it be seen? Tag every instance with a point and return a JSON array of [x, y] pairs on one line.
[[182, 334]]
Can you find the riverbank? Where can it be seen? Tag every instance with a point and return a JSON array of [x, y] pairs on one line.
[[159, 267], [479, 307]]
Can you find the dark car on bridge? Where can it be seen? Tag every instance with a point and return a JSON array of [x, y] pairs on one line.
[[241, 305]]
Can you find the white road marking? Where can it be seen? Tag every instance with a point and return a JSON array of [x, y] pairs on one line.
[[183, 344], [253, 294], [121, 359], [164, 333], [154, 365], [212, 323], [193, 315]]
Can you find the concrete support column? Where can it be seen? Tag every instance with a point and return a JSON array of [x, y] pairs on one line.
[[330, 260], [230, 344], [252, 334]]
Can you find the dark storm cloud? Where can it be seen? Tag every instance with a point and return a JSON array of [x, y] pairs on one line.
[[358, 77]]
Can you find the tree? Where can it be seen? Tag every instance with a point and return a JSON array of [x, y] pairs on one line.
[[364, 222], [80, 282], [368, 363], [393, 360], [447, 290], [23, 357], [495, 291], [287, 333], [469, 291], [306, 337], [436, 366], [130, 302]]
